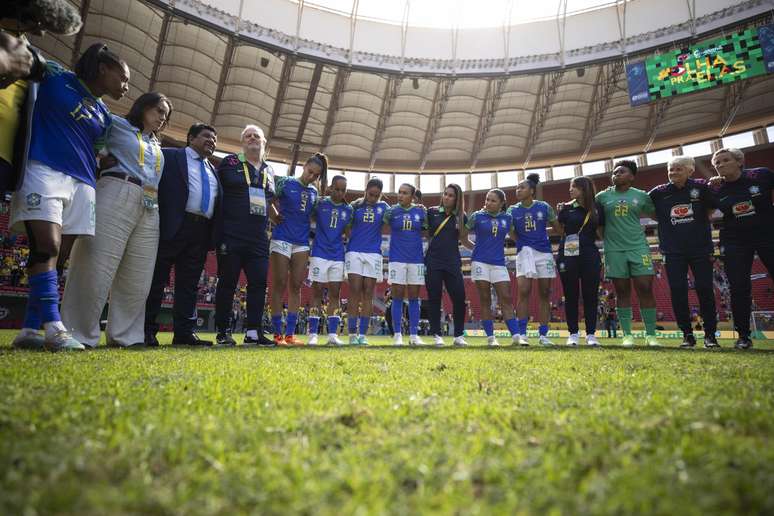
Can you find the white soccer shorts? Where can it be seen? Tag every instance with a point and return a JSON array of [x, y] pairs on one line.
[[534, 264], [286, 248], [325, 271], [480, 271], [406, 273], [368, 265]]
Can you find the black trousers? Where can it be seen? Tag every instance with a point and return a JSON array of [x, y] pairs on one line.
[[231, 262], [676, 266], [435, 279], [187, 252], [738, 259], [584, 269]]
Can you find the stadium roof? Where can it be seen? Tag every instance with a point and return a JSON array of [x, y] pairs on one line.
[[422, 93]]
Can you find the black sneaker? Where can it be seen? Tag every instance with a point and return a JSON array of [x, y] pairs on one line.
[[710, 342], [224, 339], [689, 341], [743, 343], [260, 341]]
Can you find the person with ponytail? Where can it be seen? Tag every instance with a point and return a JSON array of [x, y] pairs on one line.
[[534, 260], [289, 248], [443, 265], [55, 200], [487, 264], [406, 267], [326, 266], [627, 253], [363, 260], [579, 259]]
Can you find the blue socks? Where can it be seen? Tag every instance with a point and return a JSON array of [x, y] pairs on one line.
[[276, 323], [523, 323], [352, 324], [397, 315], [543, 330], [513, 326], [44, 295], [413, 312], [291, 323], [333, 323], [364, 323], [314, 324], [488, 326]]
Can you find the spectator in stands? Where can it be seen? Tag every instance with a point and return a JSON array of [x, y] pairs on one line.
[[683, 207], [744, 198], [443, 265], [534, 262], [363, 260], [289, 248], [116, 260], [326, 266], [241, 238], [55, 200], [406, 221], [627, 253], [189, 194], [487, 268], [578, 259]]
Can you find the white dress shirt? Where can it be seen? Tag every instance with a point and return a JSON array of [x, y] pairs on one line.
[[194, 204]]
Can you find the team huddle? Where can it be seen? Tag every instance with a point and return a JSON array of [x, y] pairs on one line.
[[132, 211]]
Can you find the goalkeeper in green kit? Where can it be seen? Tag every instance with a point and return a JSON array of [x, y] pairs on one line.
[[627, 254]]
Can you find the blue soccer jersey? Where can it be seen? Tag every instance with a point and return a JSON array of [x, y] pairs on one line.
[[68, 123], [490, 231], [406, 225], [331, 219], [296, 204], [531, 225], [366, 234]]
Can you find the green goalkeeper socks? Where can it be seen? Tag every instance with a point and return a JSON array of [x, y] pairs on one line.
[[625, 316], [649, 318]]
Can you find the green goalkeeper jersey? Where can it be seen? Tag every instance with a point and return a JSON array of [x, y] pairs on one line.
[[621, 218]]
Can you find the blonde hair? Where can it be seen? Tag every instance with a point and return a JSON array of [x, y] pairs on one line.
[[682, 161], [736, 153], [252, 126]]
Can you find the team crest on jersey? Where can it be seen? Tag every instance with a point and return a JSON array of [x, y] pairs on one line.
[[503, 223], [561, 266], [743, 209], [694, 193], [33, 200], [540, 215], [379, 209], [635, 202], [755, 190], [416, 217]]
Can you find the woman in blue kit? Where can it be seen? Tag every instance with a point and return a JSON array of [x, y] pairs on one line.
[[363, 260], [55, 201], [579, 260], [534, 260], [406, 268], [326, 266], [487, 266], [443, 265], [289, 248]]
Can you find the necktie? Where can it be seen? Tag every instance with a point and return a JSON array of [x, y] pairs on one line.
[[205, 186]]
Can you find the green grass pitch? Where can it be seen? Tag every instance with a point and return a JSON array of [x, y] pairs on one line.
[[383, 430]]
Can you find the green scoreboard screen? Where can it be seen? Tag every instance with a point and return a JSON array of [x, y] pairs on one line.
[[706, 65]]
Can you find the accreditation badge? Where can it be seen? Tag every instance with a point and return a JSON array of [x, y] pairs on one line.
[[150, 197], [257, 201], [572, 245]]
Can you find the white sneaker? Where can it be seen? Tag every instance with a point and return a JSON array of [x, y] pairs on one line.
[[353, 340], [591, 340], [459, 341], [438, 341], [544, 341], [334, 340], [312, 339], [397, 339], [414, 340], [492, 342], [520, 340], [572, 340]]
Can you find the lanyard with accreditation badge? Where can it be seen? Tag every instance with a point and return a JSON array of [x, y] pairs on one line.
[[150, 196], [257, 195], [572, 242]]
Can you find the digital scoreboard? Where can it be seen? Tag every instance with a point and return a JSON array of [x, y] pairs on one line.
[[715, 62]]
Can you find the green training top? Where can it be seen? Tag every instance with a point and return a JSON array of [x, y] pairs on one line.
[[621, 217]]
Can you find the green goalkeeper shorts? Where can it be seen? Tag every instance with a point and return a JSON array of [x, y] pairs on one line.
[[627, 264]]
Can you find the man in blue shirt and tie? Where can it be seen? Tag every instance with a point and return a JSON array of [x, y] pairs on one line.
[[188, 194]]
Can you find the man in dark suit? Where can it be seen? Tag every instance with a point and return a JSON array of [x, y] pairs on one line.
[[188, 193]]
